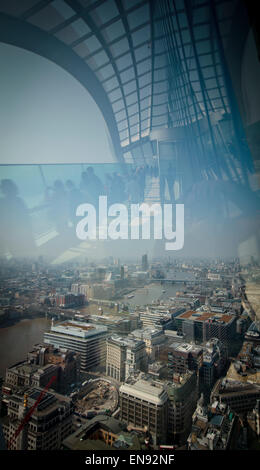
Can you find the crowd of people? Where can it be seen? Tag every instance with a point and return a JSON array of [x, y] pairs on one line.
[[64, 198]]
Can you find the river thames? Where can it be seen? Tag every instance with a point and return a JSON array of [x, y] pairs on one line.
[[17, 340]]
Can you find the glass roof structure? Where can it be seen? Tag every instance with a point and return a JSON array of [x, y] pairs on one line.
[[150, 65]]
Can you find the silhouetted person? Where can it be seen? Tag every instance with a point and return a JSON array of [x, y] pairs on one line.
[[74, 200], [118, 189], [59, 207], [94, 186], [16, 232]]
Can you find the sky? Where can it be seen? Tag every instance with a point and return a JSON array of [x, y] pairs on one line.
[[46, 115]]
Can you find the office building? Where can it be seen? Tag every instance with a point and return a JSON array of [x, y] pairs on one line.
[[182, 395], [50, 423], [125, 356], [183, 357], [143, 406], [205, 325], [214, 362], [144, 263], [87, 339], [41, 365], [153, 338]]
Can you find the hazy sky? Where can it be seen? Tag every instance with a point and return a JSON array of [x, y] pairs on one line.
[[46, 115]]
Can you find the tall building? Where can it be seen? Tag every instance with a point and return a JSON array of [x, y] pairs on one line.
[[50, 423], [214, 362], [162, 408], [183, 395], [239, 396], [143, 405], [205, 325], [124, 356], [69, 300], [144, 263], [153, 338], [41, 365], [183, 357], [87, 339]]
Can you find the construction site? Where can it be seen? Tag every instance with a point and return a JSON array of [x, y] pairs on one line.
[[97, 396]]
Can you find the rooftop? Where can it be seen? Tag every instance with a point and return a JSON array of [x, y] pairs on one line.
[[79, 329], [151, 391], [205, 316]]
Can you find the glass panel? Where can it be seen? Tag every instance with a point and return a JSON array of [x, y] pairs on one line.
[[73, 32], [138, 17], [145, 79], [145, 103], [105, 72], [92, 44], [130, 87], [133, 109], [123, 135], [134, 119], [147, 149], [159, 120], [98, 59], [118, 106], [121, 115], [111, 84], [141, 35], [203, 47], [134, 130], [17, 7], [127, 75], [131, 99], [65, 10], [160, 99], [144, 92], [201, 31], [160, 87], [201, 14], [122, 126], [145, 114], [81, 27], [105, 12], [124, 62], [119, 47], [142, 52], [159, 46], [47, 18], [114, 31], [115, 95], [159, 110], [144, 67]]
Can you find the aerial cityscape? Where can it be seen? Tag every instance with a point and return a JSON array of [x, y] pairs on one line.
[[143, 356], [129, 229]]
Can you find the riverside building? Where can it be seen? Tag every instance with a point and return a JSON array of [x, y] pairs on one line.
[[87, 339]]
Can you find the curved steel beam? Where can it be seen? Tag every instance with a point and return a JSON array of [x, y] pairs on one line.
[[26, 36]]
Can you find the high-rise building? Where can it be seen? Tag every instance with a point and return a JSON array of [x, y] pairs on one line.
[[205, 325], [89, 340], [144, 405], [124, 356], [41, 365], [183, 357], [153, 338], [144, 263], [183, 395], [50, 423]]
